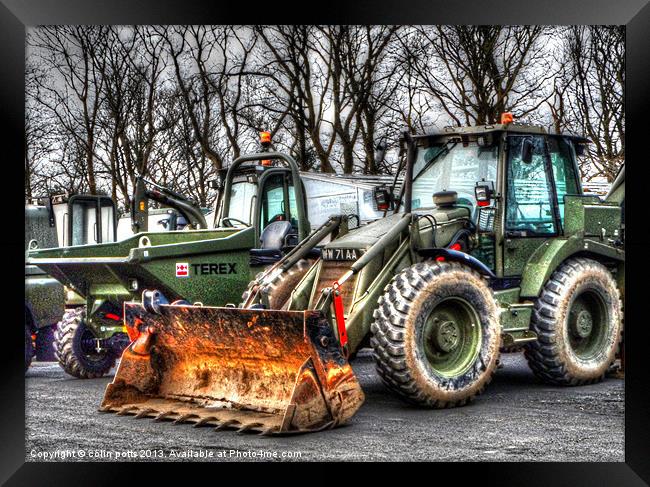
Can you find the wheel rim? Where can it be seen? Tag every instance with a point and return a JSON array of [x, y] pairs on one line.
[[452, 337], [87, 345], [587, 324]]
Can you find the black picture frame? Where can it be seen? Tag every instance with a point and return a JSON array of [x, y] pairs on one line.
[[635, 14]]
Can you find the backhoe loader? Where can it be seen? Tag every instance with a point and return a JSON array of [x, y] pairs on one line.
[[490, 246]]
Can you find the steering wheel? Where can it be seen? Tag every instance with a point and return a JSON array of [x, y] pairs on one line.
[[227, 221]]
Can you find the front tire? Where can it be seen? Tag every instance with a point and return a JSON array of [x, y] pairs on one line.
[[73, 347], [436, 334], [578, 321]]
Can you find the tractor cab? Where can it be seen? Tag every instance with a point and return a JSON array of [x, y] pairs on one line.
[[516, 182], [532, 169]]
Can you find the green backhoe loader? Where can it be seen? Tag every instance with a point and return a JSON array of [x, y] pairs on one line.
[[490, 247]]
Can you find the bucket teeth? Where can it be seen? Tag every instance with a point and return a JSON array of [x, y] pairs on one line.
[[249, 426], [202, 421], [185, 417], [144, 413], [226, 424], [268, 431], [163, 415], [126, 409]]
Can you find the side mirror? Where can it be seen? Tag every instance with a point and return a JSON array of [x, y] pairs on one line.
[[216, 184], [527, 148], [383, 198], [580, 149], [484, 141], [483, 192]]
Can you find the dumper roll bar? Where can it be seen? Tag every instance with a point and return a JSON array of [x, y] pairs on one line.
[[303, 223]]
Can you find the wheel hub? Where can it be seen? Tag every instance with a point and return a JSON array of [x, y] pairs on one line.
[[451, 336], [446, 336], [583, 324]]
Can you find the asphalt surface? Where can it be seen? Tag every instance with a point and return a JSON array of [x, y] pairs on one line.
[[518, 418]]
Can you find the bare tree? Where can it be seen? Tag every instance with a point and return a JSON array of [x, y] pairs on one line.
[[74, 96], [304, 83], [475, 73], [596, 90], [135, 102], [40, 140], [176, 103]]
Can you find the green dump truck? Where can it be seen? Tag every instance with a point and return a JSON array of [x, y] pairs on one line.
[[212, 266]]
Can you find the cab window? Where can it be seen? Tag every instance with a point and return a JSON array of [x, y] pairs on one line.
[[242, 198]]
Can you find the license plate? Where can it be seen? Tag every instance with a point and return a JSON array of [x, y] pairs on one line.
[[341, 254]]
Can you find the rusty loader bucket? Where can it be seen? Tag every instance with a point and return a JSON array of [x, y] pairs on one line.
[[272, 372]]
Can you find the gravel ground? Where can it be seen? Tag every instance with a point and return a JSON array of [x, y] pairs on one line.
[[516, 419]]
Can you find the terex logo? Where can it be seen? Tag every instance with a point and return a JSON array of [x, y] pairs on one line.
[[183, 269], [207, 269]]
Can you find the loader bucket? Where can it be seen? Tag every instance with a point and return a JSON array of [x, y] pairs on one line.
[[272, 372]]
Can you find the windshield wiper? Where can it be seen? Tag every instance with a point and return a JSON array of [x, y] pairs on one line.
[[444, 150]]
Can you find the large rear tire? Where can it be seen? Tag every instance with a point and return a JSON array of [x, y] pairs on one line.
[[436, 334], [280, 289], [73, 347], [578, 321]]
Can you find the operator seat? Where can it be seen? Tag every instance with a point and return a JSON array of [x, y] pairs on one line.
[[275, 235], [272, 241]]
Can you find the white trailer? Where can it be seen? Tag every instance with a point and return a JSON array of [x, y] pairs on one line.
[[330, 194], [327, 194]]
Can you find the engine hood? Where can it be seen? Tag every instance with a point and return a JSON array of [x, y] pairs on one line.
[[365, 236]]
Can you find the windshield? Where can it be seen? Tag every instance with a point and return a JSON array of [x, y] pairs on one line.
[[451, 167], [242, 196]]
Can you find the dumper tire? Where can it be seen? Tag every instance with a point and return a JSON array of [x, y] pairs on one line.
[[80, 363], [410, 334], [578, 322], [29, 346], [280, 289]]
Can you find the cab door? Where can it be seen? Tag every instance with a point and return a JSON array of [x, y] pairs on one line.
[[531, 208], [565, 172]]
